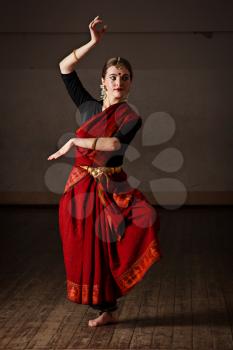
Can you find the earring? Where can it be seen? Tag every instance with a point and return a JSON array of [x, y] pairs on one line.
[[103, 94], [126, 98]]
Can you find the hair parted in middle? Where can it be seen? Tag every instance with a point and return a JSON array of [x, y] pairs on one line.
[[117, 61]]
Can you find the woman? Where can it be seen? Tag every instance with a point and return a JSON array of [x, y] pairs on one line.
[[108, 229]]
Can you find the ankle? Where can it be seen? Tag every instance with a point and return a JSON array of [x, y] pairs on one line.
[[105, 312]]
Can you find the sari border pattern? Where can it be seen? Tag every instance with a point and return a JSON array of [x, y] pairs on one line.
[[136, 272], [85, 293], [75, 176]]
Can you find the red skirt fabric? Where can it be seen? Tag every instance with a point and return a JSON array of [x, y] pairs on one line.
[[100, 267]]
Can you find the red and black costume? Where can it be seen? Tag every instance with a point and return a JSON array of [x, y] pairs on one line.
[[109, 230]]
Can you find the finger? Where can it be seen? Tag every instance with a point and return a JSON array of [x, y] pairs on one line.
[[97, 17], [103, 29], [53, 156], [91, 22], [95, 22]]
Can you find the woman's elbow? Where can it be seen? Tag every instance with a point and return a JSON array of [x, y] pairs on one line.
[[61, 66], [116, 144], [64, 68]]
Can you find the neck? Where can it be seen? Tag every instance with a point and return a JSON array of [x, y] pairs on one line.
[[107, 102]]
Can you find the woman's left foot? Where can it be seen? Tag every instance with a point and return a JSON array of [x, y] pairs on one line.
[[104, 318]]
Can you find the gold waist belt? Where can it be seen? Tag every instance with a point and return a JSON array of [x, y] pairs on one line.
[[96, 171]]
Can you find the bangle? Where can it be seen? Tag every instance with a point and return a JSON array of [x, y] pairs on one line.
[[94, 143], [75, 55]]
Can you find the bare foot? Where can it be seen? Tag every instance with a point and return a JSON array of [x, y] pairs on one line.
[[104, 318]]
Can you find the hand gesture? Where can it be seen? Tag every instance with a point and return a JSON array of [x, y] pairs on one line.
[[96, 35], [63, 150]]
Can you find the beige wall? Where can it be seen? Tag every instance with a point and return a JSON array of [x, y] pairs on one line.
[[182, 89]]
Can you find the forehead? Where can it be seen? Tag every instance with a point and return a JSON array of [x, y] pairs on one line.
[[119, 71]]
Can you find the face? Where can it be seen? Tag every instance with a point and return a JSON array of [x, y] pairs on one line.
[[117, 82]]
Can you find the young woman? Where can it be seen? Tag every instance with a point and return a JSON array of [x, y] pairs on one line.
[[108, 228]]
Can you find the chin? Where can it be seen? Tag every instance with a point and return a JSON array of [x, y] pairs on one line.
[[118, 95]]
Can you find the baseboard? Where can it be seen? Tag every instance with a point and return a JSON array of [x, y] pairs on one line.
[[193, 198]]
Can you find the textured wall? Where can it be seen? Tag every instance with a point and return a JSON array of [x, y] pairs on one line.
[[182, 89]]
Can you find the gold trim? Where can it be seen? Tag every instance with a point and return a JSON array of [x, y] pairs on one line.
[[137, 271], [84, 293], [97, 171]]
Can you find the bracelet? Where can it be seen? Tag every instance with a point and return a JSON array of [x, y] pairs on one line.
[[75, 55], [94, 143]]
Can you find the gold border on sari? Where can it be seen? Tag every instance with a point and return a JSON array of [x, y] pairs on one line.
[[85, 293]]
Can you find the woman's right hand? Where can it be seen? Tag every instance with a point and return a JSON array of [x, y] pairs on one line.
[[63, 150], [96, 35]]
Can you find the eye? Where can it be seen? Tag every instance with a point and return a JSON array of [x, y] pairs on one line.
[[125, 77]]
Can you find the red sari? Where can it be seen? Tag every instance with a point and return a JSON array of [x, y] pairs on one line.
[[108, 229]]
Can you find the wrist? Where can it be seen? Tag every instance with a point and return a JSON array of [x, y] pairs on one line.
[[93, 43]]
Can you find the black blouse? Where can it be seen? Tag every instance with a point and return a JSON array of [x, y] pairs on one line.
[[89, 106]]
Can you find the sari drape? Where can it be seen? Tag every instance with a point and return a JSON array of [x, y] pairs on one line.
[[109, 230]]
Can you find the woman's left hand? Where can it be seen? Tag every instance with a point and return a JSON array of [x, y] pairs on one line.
[[63, 150]]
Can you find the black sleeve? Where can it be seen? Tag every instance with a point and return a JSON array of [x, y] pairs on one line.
[[76, 89], [127, 133]]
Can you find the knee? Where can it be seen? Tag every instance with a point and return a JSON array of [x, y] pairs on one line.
[[150, 214], [144, 215]]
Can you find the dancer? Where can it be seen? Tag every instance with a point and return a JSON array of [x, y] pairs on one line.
[[109, 230]]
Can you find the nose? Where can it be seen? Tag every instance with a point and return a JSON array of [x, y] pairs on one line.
[[118, 81]]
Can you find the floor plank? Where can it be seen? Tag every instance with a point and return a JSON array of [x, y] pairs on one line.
[[184, 302]]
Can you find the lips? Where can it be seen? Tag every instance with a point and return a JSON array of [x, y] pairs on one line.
[[118, 89]]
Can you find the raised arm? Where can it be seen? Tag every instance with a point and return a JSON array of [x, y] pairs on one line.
[[68, 63], [80, 95]]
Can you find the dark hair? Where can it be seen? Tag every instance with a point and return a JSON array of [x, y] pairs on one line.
[[113, 62]]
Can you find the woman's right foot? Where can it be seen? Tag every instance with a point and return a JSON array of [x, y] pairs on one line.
[[104, 318]]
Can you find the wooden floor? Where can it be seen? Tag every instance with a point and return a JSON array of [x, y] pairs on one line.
[[184, 301]]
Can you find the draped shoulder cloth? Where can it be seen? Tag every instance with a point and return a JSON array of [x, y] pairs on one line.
[[113, 187]]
